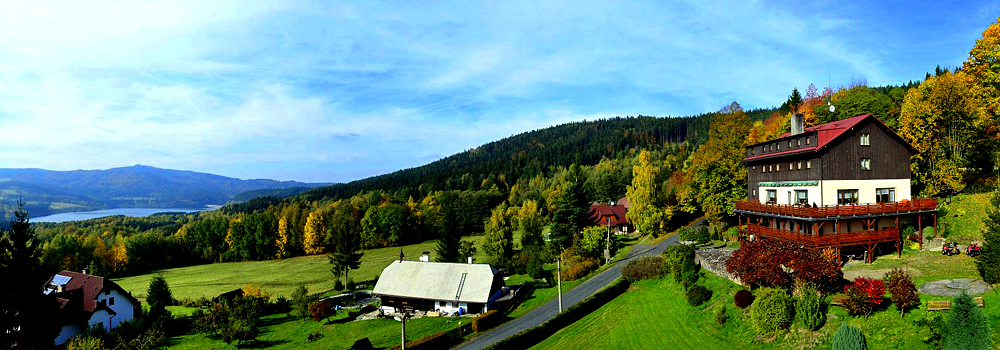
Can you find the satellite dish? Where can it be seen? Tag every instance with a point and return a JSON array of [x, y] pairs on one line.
[[832, 108]]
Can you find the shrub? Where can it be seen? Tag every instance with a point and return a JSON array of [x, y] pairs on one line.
[[904, 292], [967, 327], [679, 263], [809, 308], [350, 284], [85, 343], [743, 298], [772, 263], [703, 235], [732, 234], [849, 338], [300, 302], [580, 269], [721, 316], [864, 296], [698, 294], [321, 310], [485, 321], [338, 285], [643, 268], [535, 267], [771, 312], [935, 328]]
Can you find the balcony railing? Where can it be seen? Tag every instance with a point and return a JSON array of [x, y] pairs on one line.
[[828, 240], [922, 204]]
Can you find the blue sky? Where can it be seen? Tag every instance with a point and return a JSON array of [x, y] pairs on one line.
[[336, 91]]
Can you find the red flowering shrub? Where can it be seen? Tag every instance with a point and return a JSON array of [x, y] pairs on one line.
[[743, 298], [772, 263], [864, 296]]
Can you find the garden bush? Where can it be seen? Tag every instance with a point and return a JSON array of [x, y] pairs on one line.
[[809, 308], [771, 312], [698, 294], [743, 298], [678, 262], [720, 315], [849, 338], [903, 291], [643, 268], [485, 321], [864, 296], [771, 263], [321, 310], [967, 327], [580, 269]]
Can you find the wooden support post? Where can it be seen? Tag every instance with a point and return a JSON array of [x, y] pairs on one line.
[[920, 228], [815, 229], [838, 256], [935, 225], [899, 250]]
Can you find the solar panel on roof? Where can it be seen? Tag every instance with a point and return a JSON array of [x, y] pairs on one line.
[[60, 280]]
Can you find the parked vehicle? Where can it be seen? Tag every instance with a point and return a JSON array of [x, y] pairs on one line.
[[950, 249], [974, 249], [946, 193]]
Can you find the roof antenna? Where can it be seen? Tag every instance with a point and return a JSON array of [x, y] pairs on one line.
[[400, 254], [829, 99]]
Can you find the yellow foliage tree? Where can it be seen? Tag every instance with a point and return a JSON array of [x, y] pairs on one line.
[[315, 232], [282, 240], [119, 255], [253, 290]]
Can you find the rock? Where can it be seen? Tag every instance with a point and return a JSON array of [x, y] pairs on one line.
[[954, 287]]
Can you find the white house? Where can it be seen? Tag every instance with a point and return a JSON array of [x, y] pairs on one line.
[[86, 300], [434, 286]]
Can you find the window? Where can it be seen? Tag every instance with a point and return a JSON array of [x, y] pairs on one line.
[[772, 196], [763, 169], [847, 197], [866, 164], [777, 146], [111, 301], [754, 193], [885, 195], [789, 143], [801, 196], [753, 151], [809, 164], [798, 142], [807, 140], [864, 139], [769, 148], [791, 166], [790, 197], [770, 167], [800, 165]]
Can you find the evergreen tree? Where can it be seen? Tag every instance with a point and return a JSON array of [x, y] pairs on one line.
[[967, 327], [158, 295], [450, 236], [572, 209], [794, 100], [849, 337], [988, 263], [25, 314], [343, 241]]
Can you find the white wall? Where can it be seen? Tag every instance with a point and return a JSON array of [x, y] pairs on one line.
[[866, 189], [451, 306], [123, 307], [812, 194]]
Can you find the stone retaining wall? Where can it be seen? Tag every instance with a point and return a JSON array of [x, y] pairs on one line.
[[714, 260]]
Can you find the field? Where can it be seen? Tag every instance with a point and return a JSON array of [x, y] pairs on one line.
[[283, 332], [654, 314], [962, 218], [278, 277]]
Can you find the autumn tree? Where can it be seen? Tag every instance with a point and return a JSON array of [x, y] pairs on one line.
[[717, 173], [531, 222], [983, 66], [646, 211], [315, 231], [941, 120], [499, 242], [282, 242]]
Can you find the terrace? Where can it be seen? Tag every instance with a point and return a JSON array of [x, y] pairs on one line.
[[914, 206], [868, 239]]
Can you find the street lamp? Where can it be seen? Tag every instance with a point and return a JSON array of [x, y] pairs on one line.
[[402, 322]]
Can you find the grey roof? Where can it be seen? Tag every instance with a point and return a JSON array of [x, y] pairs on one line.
[[437, 281]]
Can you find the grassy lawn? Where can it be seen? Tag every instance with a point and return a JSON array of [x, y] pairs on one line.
[[962, 220], [282, 332], [654, 314], [278, 277]]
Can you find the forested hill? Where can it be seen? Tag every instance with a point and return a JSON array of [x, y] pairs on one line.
[[48, 191], [534, 152]]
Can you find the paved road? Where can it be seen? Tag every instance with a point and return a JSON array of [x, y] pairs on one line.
[[548, 310]]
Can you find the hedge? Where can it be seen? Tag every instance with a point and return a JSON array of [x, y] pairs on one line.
[[643, 268], [485, 321], [436, 340], [534, 335]]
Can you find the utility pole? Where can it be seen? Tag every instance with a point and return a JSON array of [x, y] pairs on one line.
[[402, 324], [559, 280], [607, 245]]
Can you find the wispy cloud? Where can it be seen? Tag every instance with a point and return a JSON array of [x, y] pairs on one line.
[[337, 91]]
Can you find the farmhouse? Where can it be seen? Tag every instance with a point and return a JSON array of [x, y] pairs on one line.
[[86, 300], [407, 286], [835, 185], [614, 216]]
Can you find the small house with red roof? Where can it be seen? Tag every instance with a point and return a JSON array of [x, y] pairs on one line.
[[613, 215], [86, 300], [834, 185]]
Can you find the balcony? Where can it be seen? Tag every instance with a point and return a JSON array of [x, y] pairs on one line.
[[916, 205], [828, 240]]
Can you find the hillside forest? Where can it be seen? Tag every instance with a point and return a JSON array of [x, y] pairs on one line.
[[671, 170]]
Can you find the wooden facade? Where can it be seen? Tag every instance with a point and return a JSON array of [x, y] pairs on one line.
[[821, 171]]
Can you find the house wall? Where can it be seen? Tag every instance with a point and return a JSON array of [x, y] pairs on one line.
[[866, 189], [889, 158], [122, 305], [812, 194], [103, 317], [67, 332]]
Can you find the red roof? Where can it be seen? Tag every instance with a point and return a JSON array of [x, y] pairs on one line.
[[624, 202], [87, 288], [825, 133], [599, 214]]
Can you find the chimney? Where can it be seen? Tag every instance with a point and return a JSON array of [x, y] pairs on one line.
[[425, 257], [797, 124], [469, 258], [86, 271]]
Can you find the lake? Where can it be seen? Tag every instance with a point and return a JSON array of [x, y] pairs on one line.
[[137, 212]]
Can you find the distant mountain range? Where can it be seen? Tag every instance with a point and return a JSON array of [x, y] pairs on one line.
[[47, 191]]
